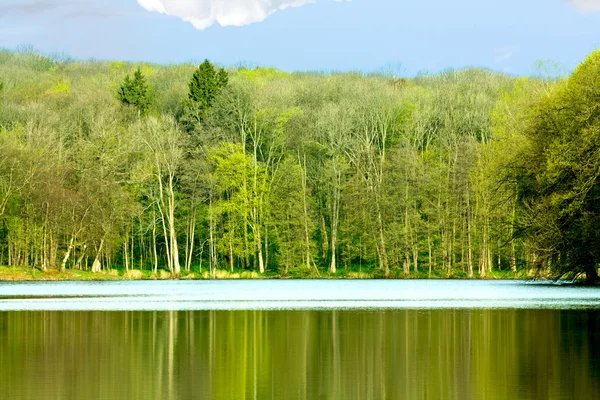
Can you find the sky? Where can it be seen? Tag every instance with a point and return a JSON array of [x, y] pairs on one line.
[[400, 37]]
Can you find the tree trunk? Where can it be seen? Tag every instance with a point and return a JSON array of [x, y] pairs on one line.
[[81, 257], [172, 232], [430, 255], [132, 248], [141, 244], [266, 247], [406, 264], [168, 242], [96, 265], [591, 274], [231, 261], [513, 252], [200, 258], [126, 253], [307, 257], [211, 240], [45, 247], [385, 266], [154, 250], [416, 259], [483, 257], [53, 251], [334, 225], [333, 265], [261, 265], [63, 265], [189, 248], [469, 247], [335, 215]]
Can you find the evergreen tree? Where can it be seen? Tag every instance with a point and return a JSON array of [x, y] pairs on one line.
[[135, 92], [222, 78], [205, 86]]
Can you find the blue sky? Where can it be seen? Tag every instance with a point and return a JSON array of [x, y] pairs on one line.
[[397, 36]]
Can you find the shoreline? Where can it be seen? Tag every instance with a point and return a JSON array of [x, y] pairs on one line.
[[22, 274]]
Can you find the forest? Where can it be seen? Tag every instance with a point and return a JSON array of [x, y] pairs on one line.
[[194, 170]]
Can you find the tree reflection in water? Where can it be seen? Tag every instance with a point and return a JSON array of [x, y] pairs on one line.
[[406, 354]]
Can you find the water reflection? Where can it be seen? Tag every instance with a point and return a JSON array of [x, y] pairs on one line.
[[437, 354]]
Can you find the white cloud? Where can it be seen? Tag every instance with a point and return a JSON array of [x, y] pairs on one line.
[[204, 13], [586, 5]]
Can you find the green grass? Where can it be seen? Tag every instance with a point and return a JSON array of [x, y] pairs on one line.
[[33, 274], [355, 272]]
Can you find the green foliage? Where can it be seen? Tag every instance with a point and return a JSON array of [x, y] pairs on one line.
[[260, 73], [287, 214], [204, 87], [222, 78], [62, 87], [297, 174], [558, 181], [116, 65], [135, 92]]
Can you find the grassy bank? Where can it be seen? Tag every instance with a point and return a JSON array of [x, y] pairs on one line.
[[32, 274]]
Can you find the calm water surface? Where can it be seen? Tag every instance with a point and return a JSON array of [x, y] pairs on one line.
[[299, 340]]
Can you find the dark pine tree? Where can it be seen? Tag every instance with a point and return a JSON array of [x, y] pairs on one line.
[[205, 86], [135, 92], [222, 78]]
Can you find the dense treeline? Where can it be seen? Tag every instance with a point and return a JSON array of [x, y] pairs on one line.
[[186, 168]]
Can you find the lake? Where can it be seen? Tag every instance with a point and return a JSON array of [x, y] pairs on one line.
[[299, 340]]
